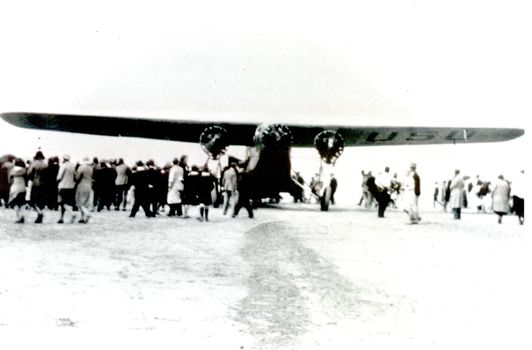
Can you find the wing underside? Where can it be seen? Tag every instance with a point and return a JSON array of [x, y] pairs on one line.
[[242, 133]]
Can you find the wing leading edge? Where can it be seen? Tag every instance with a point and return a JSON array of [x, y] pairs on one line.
[[242, 133]]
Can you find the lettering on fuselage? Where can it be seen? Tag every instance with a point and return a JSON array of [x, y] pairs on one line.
[[374, 137], [419, 136]]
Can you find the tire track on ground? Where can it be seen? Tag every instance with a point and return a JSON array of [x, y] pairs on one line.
[[291, 288]]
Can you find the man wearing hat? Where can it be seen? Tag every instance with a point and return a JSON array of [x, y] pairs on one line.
[[66, 186], [37, 176], [412, 193]]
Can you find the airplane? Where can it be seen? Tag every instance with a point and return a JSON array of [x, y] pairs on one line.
[[269, 145]]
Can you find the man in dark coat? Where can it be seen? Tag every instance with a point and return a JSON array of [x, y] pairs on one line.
[[139, 179], [244, 194], [37, 176], [334, 185]]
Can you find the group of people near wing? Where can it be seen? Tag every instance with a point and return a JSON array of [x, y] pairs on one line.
[[501, 196], [81, 188], [88, 186]]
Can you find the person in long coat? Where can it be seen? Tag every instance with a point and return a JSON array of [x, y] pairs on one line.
[[518, 196], [17, 190], [37, 176], [456, 198], [175, 187], [229, 182], [501, 197], [84, 189]]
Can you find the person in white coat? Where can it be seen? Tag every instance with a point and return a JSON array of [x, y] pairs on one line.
[[501, 197], [229, 182], [175, 188], [456, 199], [67, 188]]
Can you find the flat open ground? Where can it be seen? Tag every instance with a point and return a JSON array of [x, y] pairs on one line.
[[289, 279]]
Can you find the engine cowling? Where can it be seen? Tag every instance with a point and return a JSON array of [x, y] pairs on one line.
[[330, 145], [213, 141], [268, 135]]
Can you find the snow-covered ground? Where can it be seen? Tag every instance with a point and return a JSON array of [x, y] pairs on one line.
[[294, 278]]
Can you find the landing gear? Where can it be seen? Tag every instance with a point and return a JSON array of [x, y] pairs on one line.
[[325, 199]]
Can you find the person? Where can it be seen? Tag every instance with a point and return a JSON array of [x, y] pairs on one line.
[[244, 194], [229, 182], [121, 184], [66, 186], [154, 181], [435, 194], [139, 180], [412, 188], [315, 185], [334, 185], [456, 198], [518, 196], [50, 180], [96, 184], [205, 188], [371, 189], [37, 176], [5, 169], [17, 190], [84, 189], [501, 197], [175, 188], [298, 192], [381, 192], [106, 180], [187, 196], [192, 188]]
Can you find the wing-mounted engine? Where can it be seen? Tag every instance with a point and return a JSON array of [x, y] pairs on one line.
[[272, 135], [213, 141], [330, 145]]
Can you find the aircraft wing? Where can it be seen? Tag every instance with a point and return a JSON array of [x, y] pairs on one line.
[[242, 133]]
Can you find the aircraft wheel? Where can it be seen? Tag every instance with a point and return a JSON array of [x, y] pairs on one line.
[[325, 199]]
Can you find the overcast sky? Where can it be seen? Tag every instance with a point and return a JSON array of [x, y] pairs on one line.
[[413, 63]]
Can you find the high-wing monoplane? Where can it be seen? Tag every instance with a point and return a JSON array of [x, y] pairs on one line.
[[269, 144]]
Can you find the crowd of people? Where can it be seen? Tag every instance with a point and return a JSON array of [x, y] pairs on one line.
[[78, 189], [501, 197]]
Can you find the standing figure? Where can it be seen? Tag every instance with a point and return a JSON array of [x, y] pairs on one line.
[[412, 187], [175, 188], [244, 194], [334, 185], [121, 184], [205, 187], [37, 176], [139, 180], [50, 176], [84, 189], [501, 197], [518, 196], [17, 190], [106, 180], [185, 200], [381, 192], [153, 176], [5, 169], [456, 198], [66, 186], [229, 182], [316, 185]]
